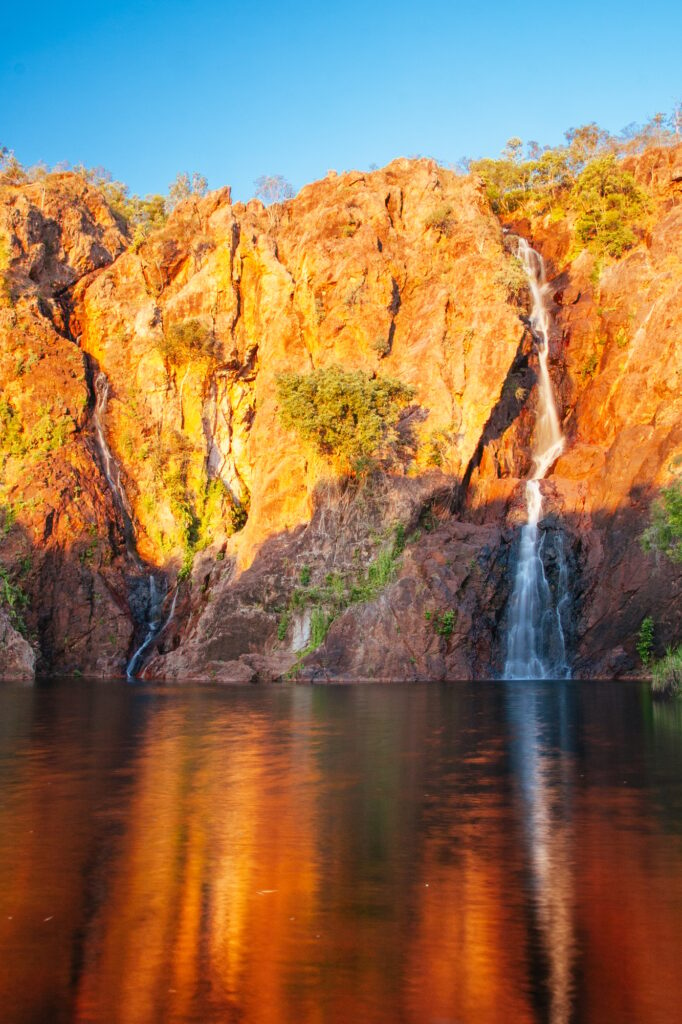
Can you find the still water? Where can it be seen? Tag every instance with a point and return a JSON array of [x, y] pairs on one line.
[[468, 853]]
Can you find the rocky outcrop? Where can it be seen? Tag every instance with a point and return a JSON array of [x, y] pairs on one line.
[[17, 657], [401, 273], [404, 272], [61, 536]]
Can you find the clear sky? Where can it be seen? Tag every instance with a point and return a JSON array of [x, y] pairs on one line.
[[234, 91]]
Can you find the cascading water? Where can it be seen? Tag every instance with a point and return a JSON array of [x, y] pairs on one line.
[[147, 594], [111, 468], [536, 646], [155, 624]]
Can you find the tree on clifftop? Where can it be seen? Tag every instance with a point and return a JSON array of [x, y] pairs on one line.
[[273, 188], [609, 204], [185, 187]]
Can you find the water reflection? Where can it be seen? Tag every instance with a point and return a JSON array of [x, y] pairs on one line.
[[473, 854], [543, 770]]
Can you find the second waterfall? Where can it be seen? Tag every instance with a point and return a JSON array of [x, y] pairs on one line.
[[536, 644]]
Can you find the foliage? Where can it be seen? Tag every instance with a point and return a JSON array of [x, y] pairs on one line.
[[46, 435], [283, 625], [381, 345], [347, 416], [513, 278], [185, 187], [443, 622], [141, 215], [590, 366], [645, 640], [320, 621], [239, 513], [13, 600], [665, 532], [666, 674], [608, 203], [438, 446], [196, 507], [441, 220], [187, 341], [11, 170], [338, 592], [273, 188], [583, 175], [8, 517]]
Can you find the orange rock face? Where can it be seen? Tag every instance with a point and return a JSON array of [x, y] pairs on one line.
[[60, 538], [397, 273]]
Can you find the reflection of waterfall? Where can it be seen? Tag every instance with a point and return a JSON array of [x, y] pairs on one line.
[[155, 624], [536, 647], [542, 769]]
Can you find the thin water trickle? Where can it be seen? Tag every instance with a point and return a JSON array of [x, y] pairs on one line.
[[153, 602], [536, 646], [111, 468]]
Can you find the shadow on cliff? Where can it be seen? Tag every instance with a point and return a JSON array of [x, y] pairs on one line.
[[309, 601], [76, 602], [304, 606]]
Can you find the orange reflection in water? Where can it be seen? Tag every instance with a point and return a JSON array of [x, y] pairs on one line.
[[206, 896], [467, 958], [310, 857]]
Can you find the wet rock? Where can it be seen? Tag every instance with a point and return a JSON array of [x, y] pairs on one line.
[[17, 657]]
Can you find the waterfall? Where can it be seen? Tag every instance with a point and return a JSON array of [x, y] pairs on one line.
[[110, 466], [155, 624], [146, 593], [536, 646]]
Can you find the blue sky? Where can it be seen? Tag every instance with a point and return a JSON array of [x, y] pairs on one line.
[[234, 91]]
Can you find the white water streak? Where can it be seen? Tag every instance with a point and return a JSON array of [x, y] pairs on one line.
[[536, 647], [155, 627]]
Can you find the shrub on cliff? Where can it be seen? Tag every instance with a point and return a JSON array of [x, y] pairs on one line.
[[348, 417], [667, 674], [13, 600], [665, 532], [46, 435], [186, 341], [441, 220]]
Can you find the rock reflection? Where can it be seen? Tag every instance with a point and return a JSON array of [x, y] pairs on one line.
[[471, 854]]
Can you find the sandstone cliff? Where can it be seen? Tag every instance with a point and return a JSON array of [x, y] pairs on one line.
[[404, 273]]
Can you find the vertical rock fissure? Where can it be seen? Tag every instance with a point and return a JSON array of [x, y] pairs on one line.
[[147, 591], [536, 638]]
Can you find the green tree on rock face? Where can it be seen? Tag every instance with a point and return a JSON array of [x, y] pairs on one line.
[[347, 416], [665, 532], [608, 203], [665, 535]]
